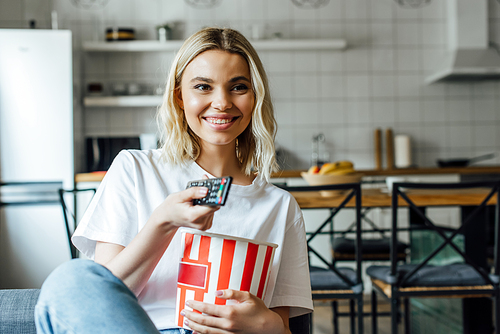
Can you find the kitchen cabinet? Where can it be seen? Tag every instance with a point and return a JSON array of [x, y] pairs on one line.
[[173, 46]]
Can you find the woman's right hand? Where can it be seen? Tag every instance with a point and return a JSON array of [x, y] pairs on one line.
[[177, 210], [135, 263]]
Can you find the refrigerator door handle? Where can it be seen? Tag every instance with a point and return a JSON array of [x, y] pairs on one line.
[[29, 193]]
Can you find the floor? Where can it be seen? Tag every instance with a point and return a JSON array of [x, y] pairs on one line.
[[322, 318]]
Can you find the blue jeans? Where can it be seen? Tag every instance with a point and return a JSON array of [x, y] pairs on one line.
[[81, 296]]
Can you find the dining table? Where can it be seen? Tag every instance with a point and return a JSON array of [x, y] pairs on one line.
[[476, 312], [380, 198]]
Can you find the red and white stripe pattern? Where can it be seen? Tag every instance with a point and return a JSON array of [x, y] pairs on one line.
[[211, 263]]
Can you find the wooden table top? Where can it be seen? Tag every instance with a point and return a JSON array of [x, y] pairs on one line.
[[376, 198], [408, 171]]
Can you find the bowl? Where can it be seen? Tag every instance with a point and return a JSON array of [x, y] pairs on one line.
[[120, 34], [322, 180]]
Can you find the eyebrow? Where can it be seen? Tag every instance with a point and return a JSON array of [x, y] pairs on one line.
[[235, 79], [201, 79], [241, 77]]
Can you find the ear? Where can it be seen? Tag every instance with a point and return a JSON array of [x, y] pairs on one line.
[[178, 98]]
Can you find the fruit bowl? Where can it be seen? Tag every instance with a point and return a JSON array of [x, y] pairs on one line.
[[326, 179]]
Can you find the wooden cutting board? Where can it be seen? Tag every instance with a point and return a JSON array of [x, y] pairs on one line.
[[389, 144]]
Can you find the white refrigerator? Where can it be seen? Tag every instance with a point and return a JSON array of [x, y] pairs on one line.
[[36, 153]]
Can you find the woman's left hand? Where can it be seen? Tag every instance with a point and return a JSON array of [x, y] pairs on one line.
[[249, 315]]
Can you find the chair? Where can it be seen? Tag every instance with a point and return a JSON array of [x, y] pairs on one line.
[[333, 283], [70, 227], [421, 279], [373, 249], [300, 324]]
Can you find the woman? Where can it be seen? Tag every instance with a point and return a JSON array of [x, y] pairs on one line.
[[216, 120]]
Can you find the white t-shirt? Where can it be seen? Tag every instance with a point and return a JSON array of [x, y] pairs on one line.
[[137, 182]]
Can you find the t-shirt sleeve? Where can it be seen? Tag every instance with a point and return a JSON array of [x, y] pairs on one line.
[[112, 214], [293, 287]]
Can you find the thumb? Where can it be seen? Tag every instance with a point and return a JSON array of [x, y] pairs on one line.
[[240, 296]]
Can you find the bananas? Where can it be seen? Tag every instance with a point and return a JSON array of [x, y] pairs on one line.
[[340, 171], [341, 167]]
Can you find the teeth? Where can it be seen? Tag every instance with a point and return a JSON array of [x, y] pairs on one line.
[[218, 120]]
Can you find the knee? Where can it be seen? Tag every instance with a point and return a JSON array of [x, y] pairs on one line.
[[74, 274], [64, 291]]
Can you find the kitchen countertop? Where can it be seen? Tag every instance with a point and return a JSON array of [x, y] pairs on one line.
[[97, 176]]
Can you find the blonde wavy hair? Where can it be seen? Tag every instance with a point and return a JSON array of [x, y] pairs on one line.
[[255, 145]]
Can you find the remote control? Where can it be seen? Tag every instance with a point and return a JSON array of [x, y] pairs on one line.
[[217, 190]]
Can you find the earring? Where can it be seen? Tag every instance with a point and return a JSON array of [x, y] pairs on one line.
[[237, 150]]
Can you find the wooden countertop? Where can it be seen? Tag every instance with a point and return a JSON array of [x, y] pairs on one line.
[[377, 199], [97, 176]]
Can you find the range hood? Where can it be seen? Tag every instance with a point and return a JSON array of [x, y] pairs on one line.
[[469, 55]]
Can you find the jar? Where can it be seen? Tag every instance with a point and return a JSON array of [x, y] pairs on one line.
[[164, 32]]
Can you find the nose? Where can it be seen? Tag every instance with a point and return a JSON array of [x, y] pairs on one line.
[[221, 100]]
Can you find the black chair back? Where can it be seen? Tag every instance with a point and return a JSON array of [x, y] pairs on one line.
[[402, 192], [336, 283], [70, 216]]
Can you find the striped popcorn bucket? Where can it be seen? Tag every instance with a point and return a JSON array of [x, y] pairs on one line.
[[211, 262]]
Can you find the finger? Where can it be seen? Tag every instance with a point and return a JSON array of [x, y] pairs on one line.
[[239, 296], [202, 322], [201, 329], [200, 217], [206, 308], [204, 210], [205, 176], [192, 193]]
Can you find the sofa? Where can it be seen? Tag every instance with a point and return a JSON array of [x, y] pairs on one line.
[[17, 307]]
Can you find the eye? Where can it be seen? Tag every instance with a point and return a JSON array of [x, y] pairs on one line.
[[240, 88], [202, 87]]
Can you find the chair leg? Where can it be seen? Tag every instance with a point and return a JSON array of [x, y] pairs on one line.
[[360, 315], [497, 313], [407, 315], [374, 312], [335, 310], [394, 315], [311, 322], [352, 316]]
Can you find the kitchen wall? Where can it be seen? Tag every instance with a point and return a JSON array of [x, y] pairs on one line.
[[378, 82]]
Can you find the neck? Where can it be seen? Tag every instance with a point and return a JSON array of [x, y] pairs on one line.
[[222, 161]]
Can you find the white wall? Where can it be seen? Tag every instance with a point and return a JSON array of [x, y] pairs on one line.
[[377, 82]]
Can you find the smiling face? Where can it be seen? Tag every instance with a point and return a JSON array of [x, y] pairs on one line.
[[217, 97]]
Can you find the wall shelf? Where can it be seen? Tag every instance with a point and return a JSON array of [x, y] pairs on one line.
[[264, 45], [155, 46], [123, 101]]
